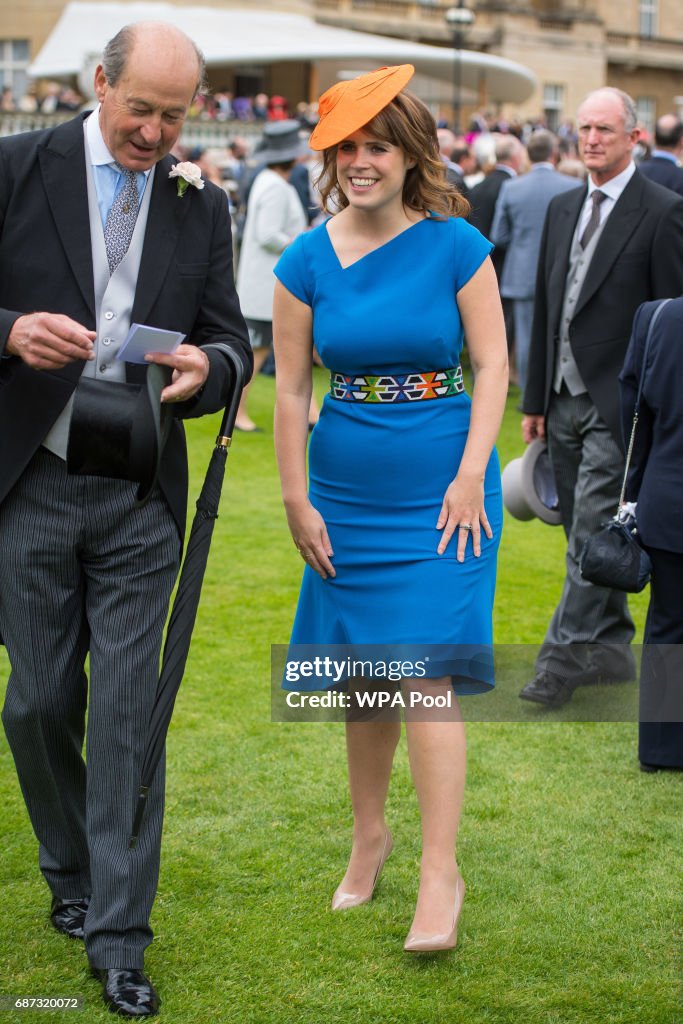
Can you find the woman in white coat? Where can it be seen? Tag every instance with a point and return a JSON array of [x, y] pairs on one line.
[[275, 217]]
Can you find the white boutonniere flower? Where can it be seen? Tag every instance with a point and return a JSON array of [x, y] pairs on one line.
[[187, 174]]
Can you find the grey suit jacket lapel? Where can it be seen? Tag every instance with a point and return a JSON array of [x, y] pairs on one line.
[[62, 164]]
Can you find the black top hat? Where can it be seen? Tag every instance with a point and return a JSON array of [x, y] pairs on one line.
[[529, 488], [281, 143], [119, 429]]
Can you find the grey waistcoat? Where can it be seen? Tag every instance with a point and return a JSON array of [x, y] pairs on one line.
[[579, 267], [114, 297]]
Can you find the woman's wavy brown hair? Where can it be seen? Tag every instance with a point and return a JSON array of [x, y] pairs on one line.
[[407, 123]]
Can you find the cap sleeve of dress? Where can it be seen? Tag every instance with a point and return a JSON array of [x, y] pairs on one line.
[[471, 249], [292, 270]]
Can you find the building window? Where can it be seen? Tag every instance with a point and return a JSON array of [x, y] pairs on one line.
[[645, 109], [648, 18], [14, 60], [553, 103]]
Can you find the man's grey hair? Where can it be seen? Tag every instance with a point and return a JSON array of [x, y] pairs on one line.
[[627, 103], [507, 147], [541, 146], [117, 51]]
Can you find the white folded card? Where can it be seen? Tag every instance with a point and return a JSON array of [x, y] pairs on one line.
[[141, 339]]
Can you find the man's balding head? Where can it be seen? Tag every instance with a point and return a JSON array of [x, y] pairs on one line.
[[149, 75], [150, 36], [669, 133]]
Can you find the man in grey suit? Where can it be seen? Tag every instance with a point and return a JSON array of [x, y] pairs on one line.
[[517, 227], [95, 236], [605, 249]]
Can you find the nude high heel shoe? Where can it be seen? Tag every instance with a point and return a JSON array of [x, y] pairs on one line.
[[419, 942], [345, 900]]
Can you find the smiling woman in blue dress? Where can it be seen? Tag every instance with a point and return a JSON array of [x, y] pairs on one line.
[[400, 523]]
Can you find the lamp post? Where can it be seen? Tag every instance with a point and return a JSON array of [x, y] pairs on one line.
[[458, 19]]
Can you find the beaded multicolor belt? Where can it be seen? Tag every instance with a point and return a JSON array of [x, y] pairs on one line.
[[403, 387]]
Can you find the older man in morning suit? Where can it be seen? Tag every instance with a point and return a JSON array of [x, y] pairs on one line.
[[517, 227], [94, 237], [605, 249]]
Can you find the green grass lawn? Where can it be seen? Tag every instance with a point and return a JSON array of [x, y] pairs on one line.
[[571, 855]]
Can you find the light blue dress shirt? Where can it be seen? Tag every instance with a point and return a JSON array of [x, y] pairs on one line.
[[108, 179]]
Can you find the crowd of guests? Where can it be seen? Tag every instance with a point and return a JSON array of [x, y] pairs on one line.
[[41, 97]]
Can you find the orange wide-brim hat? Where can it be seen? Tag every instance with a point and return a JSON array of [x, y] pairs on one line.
[[348, 106]]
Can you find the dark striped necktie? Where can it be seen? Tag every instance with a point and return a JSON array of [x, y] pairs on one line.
[[594, 220]]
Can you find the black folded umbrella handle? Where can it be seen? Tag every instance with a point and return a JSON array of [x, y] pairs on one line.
[[230, 414]]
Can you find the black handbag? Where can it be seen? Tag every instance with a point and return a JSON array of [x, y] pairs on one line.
[[614, 557]]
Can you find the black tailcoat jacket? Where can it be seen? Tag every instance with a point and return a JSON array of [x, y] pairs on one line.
[[639, 257], [185, 284]]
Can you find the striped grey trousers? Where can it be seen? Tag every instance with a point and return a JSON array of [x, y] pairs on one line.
[[83, 571], [591, 628]]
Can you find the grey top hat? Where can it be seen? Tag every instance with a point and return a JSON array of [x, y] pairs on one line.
[[529, 489], [281, 142]]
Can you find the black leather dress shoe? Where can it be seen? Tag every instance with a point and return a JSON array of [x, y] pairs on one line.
[[128, 992], [68, 916], [550, 690]]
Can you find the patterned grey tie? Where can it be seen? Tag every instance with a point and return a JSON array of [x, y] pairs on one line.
[[121, 218], [594, 220]]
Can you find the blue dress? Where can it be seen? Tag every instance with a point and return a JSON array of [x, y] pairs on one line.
[[378, 472]]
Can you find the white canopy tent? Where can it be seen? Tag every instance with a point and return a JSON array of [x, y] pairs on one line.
[[236, 37]]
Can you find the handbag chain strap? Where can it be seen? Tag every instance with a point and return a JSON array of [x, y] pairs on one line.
[[636, 407]]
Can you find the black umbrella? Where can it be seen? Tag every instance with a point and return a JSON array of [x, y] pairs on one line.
[[181, 622]]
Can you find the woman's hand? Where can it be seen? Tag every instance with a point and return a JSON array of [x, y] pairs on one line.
[[309, 534], [463, 510]]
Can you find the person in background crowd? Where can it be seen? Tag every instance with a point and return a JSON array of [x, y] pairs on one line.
[[300, 179], [259, 106], [663, 165], [206, 164], [275, 217], [241, 108], [516, 229], [509, 161], [572, 168], [464, 159], [277, 108], [655, 482], [605, 249], [483, 149], [223, 105], [7, 104], [28, 103], [510, 158], [238, 152], [454, 172]]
